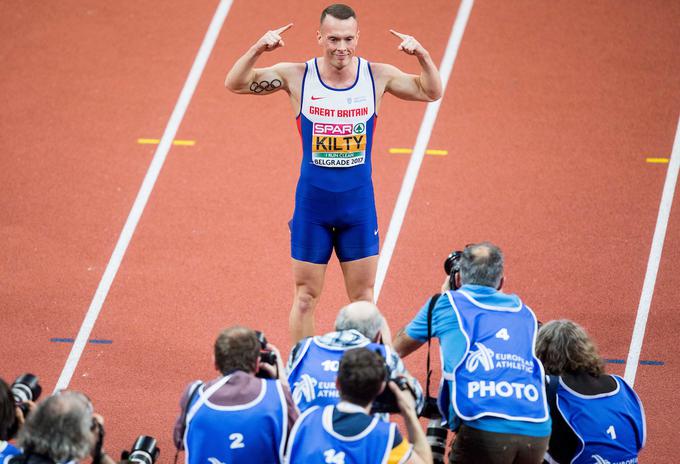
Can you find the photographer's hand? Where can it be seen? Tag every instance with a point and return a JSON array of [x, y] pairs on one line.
[[416, 435], [446, 286], [280, 367]]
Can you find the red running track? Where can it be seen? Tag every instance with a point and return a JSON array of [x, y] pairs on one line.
[[548, 118]]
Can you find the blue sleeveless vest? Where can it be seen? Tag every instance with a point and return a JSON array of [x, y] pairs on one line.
[[313, 440], [499, 375], [252, 432], [610, 426], [312, 378], [7, 450]]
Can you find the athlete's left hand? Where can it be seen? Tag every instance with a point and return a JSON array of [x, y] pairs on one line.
[[409, 44]]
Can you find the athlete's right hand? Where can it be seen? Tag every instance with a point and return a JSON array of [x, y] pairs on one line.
[[271, 40]]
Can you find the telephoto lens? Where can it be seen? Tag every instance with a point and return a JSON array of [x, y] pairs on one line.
[[144, 451], [436, 437], [26, 388]]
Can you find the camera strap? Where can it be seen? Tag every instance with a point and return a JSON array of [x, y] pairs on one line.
[[430, 308]]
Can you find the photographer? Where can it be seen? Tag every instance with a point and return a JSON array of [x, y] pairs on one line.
[[313, 363], [237, 417], [493, 385], [346, 432], [11, 418], [62, 428], [598, 414]]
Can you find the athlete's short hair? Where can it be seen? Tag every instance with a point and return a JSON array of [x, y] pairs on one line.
[[361, 375], [481, 264], [563, 346], [7, 412], [339, 11], [236, 349]]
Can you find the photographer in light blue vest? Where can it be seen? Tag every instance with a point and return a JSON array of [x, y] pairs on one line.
[[492, 392]]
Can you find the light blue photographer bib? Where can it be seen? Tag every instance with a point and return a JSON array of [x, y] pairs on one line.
[[499, 375], [610, 426], [313, 440], [252, 432], [312, 378]]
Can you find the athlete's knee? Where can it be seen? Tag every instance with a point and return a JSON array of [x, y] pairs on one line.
[[306, 299]]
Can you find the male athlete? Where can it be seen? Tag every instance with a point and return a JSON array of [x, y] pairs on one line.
[[336, 98]]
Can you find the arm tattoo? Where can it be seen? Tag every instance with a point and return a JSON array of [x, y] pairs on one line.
[[265, 86]]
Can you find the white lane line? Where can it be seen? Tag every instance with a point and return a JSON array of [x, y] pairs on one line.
[[653, 263], [144, 192], [422, 141]]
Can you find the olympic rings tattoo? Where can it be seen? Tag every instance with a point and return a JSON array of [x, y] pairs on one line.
[[265, 86]]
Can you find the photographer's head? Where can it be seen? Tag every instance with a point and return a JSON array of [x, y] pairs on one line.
[[7, 412], [564, 347], [60, 427], [362, 316], [237, 349], [482, 264], [361, 376]]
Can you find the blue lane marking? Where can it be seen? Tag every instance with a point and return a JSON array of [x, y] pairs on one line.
[[652, 363], [644, 363], [71, 340]]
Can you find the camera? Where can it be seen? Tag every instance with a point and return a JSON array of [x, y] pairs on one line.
[[452, 267], [430, 409], [144, 451], [386, 402], [266, 356], [25, 388]]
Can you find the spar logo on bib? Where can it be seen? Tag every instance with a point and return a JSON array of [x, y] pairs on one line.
[[338, 145]]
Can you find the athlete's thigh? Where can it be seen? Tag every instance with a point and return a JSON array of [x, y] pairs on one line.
[[309, 275], [356, 236], [359, 277], [311, 237]]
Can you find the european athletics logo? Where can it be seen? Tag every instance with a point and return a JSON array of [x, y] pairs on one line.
[[483, 356]]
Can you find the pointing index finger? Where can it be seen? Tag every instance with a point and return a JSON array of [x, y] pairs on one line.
[[283, 29], [398, 34]]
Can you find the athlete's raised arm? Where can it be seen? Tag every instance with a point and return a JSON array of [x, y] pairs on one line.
[[424, 87], [243, 77]]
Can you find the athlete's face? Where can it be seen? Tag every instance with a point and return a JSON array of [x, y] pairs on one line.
[[338, 39]]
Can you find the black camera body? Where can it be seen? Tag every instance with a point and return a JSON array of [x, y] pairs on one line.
[[386, 402], [452, 267], [266, 356], [144, 451], [430, 409]]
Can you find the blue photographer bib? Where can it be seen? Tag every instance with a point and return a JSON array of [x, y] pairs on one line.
[[252, 432], [499, 374], [7, 450], [609, 426], [313, 440], [312, 378]]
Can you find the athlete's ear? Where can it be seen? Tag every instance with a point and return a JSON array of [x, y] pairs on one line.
[[319, 37]]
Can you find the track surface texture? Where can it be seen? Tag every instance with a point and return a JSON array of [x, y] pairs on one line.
[[548, 118]]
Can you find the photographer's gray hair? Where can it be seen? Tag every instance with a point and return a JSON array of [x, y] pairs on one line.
[[361, 316], [481, 264]]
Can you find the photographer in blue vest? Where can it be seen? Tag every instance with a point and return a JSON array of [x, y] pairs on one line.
[[596, 417], [238, 416], [347, 433], [492, 392], [314, 361]]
